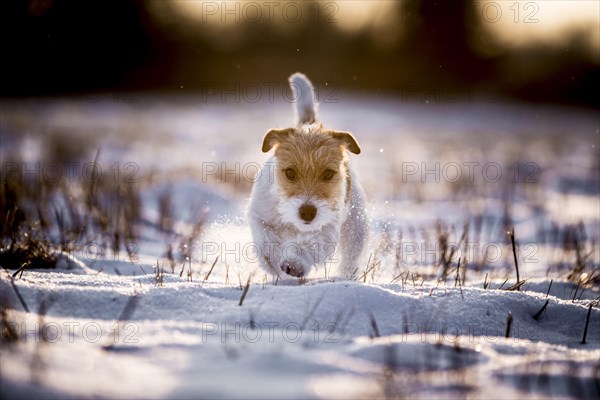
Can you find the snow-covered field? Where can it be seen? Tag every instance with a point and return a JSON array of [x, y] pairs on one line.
[[434, 313]]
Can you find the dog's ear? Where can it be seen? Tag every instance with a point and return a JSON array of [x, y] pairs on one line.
[[348, 139], [275, 136]]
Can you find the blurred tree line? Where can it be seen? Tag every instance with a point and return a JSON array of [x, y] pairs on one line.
[[54, 47]]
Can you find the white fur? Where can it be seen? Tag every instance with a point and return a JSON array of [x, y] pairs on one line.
[[336, 236], [288, 209], [306, 107]]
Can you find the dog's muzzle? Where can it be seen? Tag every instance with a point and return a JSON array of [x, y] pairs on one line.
[[292, 269], [307, 212]]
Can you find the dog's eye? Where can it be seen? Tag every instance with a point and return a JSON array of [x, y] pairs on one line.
[[290, 174], [328, 174]]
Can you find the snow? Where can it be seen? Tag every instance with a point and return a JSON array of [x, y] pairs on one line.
[[186, 339], [111, 329]]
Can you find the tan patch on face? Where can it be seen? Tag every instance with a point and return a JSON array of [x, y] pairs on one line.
[[310, 156]]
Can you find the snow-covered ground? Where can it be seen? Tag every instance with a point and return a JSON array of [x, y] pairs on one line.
[[127, 325]]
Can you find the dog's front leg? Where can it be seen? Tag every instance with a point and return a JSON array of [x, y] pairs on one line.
[[278, 254], [307, 250], [267, 245]]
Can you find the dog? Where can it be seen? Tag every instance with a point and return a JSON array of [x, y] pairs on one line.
[[307, 207]]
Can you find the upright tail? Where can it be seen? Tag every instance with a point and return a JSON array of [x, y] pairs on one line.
[[304, 95]]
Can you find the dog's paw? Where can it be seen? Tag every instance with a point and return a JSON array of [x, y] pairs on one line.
[[292, 269]]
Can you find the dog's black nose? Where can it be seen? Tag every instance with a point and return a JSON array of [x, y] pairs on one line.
[[308, 212], [291, 269]]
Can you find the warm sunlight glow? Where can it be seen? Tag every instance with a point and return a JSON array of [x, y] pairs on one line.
[[514, 23], [521, 22]]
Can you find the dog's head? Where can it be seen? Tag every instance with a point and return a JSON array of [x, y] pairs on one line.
[[312, 176]]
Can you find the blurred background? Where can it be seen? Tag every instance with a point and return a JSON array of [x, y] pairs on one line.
[[171, 99], [542, 51], [131, 131]]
